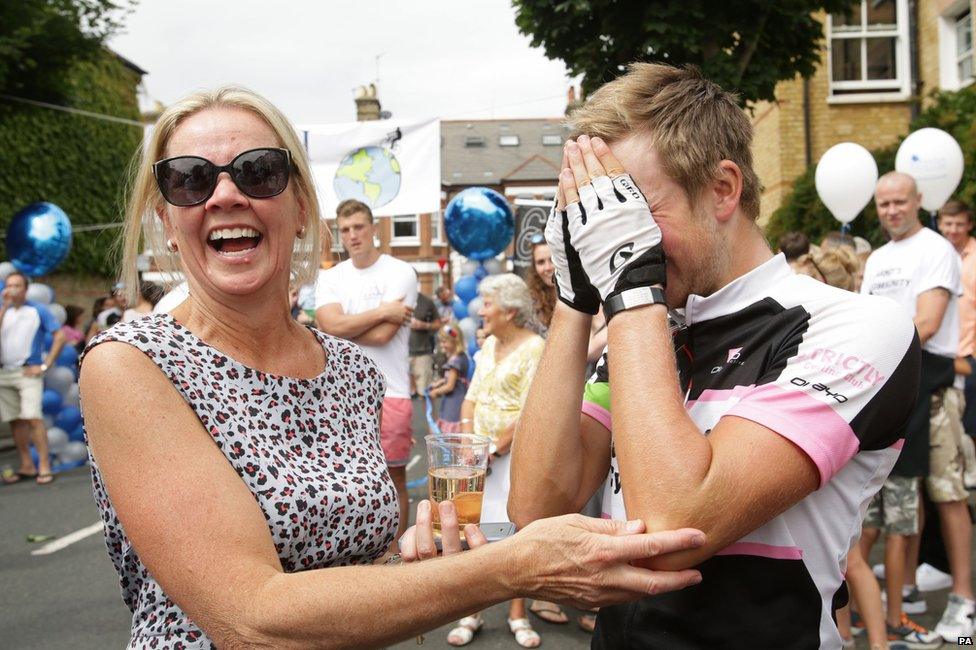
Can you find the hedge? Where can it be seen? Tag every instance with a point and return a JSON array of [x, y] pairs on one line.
[[75, 162], [802, 210]]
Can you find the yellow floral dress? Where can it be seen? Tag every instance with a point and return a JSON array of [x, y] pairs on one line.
[[498, 390]]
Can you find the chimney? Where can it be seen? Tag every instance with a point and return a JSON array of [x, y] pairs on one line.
[[571, 96], [572, 102], [367, 105]]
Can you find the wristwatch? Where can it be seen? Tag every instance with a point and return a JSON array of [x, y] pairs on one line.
[[493, 450], [44, 367], [630, 298]]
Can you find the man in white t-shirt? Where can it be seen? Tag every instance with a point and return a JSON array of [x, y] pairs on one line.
[[920, 270], [368, 299]]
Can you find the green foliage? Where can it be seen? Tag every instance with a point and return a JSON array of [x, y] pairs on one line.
[[802, 210], [745, 46], [41, 39], [73, 161]]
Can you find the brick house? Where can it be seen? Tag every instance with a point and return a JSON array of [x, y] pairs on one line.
[[878, 63]]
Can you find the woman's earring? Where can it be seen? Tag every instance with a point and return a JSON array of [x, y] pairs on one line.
[[170, 245], [301, 232]]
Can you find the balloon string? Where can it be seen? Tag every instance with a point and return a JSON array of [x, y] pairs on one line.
[[845, 228]]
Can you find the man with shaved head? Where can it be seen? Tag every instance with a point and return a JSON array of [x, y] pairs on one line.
[[920, 270]]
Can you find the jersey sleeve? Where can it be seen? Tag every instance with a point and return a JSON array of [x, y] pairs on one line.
[[596, 394], [844, 381], [48, 322]]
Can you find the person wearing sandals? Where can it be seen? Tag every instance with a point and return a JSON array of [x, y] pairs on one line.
[[236, 456], [506, 365], [23, 326]]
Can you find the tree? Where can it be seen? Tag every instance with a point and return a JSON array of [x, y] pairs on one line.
[[41, 39], [745, 46]]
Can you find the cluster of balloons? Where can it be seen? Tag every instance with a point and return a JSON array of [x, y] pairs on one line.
[[479, 224], [59, 402], [847, 172]]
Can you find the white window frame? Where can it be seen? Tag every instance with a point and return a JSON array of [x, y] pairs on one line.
[[405, 241], [437, 228], [874, 90], [508, 140], [336, 240], [948, 59]]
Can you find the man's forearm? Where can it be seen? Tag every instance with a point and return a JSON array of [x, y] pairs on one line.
[[547, 455], [348, 326], [56, 346], [659, 449], [379, 334]]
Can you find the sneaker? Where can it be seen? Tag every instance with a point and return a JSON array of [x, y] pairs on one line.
[[857, 624], [957, 620], [912, 601], [878, 571], [928, 578], [913, 635]]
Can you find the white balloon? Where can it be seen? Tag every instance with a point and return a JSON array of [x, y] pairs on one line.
[[475, 306], [845, 179], [6, 268], [469, 327], [57, 440], [58, 312], [934, 159], [48, 422], [73, 452], [469, 267], [494, 267], [41, 293], [70, 395], [60, 379]]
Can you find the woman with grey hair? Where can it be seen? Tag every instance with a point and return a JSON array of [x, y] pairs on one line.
[[236, 459], [506, 365]]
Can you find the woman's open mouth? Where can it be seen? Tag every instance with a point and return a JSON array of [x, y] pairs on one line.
[[234, 242]]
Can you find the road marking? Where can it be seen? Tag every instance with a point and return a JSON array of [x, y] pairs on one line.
[[68, 539], [413, 461]]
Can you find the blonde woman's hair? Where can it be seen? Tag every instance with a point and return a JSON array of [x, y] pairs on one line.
[[693, 124], [510, 292], [141, 222], [453, 335], [837, 267]]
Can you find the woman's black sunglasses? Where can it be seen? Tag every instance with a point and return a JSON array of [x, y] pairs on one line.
[[191, 180]]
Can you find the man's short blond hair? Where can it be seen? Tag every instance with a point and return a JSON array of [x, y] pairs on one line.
[[693, 123]]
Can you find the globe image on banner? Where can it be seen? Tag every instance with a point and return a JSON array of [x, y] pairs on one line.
[[370, 175]]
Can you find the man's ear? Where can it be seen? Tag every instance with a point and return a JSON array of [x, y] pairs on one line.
[[726, 190]]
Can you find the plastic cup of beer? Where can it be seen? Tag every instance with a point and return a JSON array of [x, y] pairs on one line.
[[456, 468]]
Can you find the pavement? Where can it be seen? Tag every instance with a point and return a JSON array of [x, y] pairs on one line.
[[64, 593]]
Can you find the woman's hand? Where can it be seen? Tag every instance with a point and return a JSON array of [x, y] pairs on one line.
[[417, 543], [586, 562]]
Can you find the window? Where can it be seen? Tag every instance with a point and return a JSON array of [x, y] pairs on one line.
[[436, 228], [336, 242], [868, 55], [551, 139], [508, 140], [956, 46], [474, 141], [406, 230], [964, 47]]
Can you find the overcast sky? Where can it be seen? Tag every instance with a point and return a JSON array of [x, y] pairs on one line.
[[436, 57]]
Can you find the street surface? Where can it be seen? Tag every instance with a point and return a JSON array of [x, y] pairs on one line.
[[69, 597]]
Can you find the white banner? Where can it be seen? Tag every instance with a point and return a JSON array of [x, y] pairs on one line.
[[393, 166]]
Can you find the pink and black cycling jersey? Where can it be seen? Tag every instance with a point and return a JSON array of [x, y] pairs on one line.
[[834, 372]]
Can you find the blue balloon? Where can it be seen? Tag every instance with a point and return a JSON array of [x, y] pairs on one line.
[[38, 238], [481, 272], [460, 309], [77, 434], [68, 357], [479, 223], [51, 401], [466, 288], [68, 418]]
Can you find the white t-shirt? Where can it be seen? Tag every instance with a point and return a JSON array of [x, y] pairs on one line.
[[903, 270], [360, 290]]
